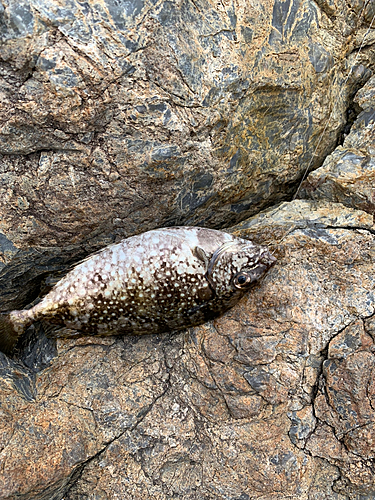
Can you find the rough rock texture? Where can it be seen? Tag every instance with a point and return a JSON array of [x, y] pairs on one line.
[[119, 116], [348, 174], [252, 405], [122, 116]]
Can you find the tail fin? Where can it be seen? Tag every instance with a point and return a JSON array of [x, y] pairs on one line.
[[8, 334]]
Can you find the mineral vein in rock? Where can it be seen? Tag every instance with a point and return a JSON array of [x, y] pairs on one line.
[[154, 282]]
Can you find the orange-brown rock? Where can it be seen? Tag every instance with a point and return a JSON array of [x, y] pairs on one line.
[[121, 116], [273, 400]]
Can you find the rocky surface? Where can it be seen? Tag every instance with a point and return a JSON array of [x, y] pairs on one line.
[[273, 400], [117, 117], [348, 174]]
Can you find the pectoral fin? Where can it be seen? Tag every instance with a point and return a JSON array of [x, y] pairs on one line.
[[202, 256], [206, 294]]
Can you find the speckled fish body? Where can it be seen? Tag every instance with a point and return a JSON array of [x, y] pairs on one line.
[[157, 281]]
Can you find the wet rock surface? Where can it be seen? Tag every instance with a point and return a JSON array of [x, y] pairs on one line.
[[118, 117]]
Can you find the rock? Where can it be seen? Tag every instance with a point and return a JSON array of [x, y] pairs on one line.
[[122, 116], [242, 407], [345, 408], [118, 117], [348, 174], [66, 424], [276, 223]]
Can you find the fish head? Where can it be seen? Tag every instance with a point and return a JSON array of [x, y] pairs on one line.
[[236, 265]]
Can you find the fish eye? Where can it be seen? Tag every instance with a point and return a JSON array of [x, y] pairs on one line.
[[241, 280]]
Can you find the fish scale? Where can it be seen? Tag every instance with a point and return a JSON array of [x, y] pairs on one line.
[[161, 280]]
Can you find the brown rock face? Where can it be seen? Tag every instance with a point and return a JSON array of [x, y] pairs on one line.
[[251, 405], [344, 407], [118, 117], [121, 116], [347, 175]]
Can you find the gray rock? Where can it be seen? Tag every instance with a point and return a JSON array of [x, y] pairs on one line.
[[348, 174], [122, 116]]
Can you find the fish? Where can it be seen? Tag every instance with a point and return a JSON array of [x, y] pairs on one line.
[[158, 281]]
